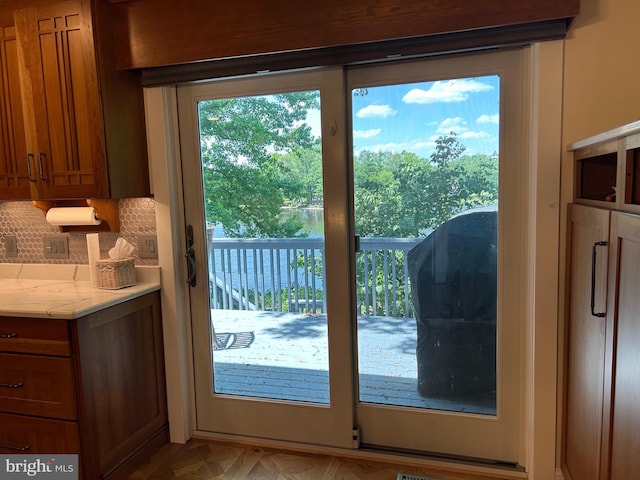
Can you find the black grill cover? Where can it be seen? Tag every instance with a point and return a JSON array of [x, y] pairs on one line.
[[453, 274]]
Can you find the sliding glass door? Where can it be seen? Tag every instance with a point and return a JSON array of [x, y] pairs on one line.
[[356, 240], [436, 162]]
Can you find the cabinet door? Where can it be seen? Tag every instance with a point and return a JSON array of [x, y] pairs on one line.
[[622, 416], [586, 342], [14, 181], [121, 373], [63, 116]]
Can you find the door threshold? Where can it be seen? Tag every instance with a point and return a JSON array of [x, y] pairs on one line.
[[445, 464]]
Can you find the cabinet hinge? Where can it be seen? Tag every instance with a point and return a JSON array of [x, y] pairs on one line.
[[356, 436]]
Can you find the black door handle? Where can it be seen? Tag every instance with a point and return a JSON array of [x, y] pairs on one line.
[[29, 157], [191, 258], [593, 279]]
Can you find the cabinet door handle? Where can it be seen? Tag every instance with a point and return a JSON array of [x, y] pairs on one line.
[[19, 449], [12, 385], [42, 177], [8, 335], [29, 157], [593, 279]]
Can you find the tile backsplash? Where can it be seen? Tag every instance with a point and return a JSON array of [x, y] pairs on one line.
[[28, 225]]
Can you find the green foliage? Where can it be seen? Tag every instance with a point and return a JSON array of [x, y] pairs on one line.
[[301, 170], [404, 195], [385, 282], [258, 156], [242, 140]]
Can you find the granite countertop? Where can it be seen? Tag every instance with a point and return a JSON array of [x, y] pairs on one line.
[[63, 291]]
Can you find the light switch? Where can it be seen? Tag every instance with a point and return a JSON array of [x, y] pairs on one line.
[[147, 246], [10, 246], [56, 246]]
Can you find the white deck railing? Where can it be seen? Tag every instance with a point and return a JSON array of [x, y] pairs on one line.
[[287, 275]]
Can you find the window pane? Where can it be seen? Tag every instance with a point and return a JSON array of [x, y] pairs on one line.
[[426, 205]]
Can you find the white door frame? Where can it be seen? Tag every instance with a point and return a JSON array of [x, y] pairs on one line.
[[539, 439]]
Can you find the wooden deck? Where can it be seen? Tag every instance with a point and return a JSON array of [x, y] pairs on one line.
[[285, 356]]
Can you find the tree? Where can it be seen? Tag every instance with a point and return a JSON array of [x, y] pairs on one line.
[[302, 170], [241, 141], [404, 195]]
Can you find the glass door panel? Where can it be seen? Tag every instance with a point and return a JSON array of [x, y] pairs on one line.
[[254, 196], [266, 267], [426, 213], [437, 339]]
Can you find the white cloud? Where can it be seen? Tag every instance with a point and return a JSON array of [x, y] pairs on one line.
[[411, 146], [419, 144], [455, 124], [385, 147], [474, 135], [380, 111], [489, 119], [366, 133], [446, 91]]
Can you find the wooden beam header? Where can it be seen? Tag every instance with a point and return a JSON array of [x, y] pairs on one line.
[[164, 32]]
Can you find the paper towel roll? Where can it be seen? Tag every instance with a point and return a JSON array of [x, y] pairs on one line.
[[72, 216]]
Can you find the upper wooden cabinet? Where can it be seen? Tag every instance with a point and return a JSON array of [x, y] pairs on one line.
[[72, 125], [14, 182], [607, 169]]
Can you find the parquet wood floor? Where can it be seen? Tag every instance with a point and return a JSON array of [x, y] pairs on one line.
[[208, 460]]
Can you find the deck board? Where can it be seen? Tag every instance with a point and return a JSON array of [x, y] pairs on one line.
[[285, 356]]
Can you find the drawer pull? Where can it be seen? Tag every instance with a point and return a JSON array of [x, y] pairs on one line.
[[8, 335], [12, 385], [19, 449]]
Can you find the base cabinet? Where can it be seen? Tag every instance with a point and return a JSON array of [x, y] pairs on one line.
[[602, 401], [586, 342], [94, 386], [621, 456]]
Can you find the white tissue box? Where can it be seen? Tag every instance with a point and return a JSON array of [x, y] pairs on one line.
[[114, 274]]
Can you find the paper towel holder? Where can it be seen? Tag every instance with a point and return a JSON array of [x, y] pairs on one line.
[[106, 209]]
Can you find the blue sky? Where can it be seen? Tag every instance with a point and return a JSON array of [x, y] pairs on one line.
[[411, 116]]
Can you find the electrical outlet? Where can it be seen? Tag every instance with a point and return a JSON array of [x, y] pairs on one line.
[[10, 246], [147, 246], [56, 247]]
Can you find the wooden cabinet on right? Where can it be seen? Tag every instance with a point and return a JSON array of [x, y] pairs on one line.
[[601, 434], [585, 347], [621, 439], [607, 169]]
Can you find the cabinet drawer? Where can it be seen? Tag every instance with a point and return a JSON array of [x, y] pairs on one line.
[[20, 434], [34, 335], [36, 385]]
